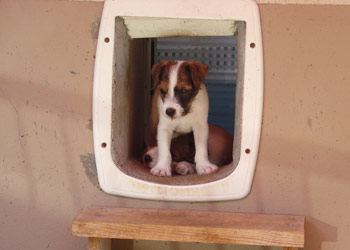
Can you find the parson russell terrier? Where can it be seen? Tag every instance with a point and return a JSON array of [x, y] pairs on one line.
[[178, 129]]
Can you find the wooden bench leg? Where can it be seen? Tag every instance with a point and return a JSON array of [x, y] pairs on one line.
[[290, 248], [99, 243]]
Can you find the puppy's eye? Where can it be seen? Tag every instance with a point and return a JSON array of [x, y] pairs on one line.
[[162, 91], [184, 91]]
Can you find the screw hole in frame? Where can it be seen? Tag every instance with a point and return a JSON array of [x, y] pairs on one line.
[[252, 45], [103, 145], [107, 40], [247, 151]]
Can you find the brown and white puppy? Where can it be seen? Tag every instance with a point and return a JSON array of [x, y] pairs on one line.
[[180, 106]]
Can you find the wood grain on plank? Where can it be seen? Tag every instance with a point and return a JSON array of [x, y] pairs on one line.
[[190, 226]]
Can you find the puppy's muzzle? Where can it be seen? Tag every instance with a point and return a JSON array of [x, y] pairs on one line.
[[170, 112]]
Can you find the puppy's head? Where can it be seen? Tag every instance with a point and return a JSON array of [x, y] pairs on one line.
[[177, 84]]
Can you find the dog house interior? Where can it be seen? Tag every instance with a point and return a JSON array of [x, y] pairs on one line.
[[132, 90]]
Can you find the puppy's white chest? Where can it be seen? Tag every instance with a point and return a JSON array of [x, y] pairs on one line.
[[184, 127]]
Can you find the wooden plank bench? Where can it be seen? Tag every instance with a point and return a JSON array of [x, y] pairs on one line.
[[100, 224]]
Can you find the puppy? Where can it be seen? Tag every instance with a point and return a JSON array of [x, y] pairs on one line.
[[182, 107]]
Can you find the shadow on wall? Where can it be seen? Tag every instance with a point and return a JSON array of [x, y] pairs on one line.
[[318, 232], [304, 173]]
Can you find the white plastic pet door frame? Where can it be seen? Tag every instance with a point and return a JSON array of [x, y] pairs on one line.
[[155, 18]]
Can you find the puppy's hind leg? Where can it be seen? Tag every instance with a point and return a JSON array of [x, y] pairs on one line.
[[150, 157], [183, 167]]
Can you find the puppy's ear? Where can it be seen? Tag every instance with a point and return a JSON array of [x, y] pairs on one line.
[[198, 71], [157, 72]]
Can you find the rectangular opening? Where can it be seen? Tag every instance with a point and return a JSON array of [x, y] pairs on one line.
[[220, 45]]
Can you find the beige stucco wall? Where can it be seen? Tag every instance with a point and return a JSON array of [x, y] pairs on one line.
[[47, 170]]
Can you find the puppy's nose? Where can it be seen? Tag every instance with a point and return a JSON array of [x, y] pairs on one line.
[[170, 112]]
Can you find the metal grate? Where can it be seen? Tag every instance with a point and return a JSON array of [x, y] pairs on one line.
[[220, 54]]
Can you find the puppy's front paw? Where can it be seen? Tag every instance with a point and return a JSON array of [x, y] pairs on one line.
[[206, 168], [184, 168], [160, 170]]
